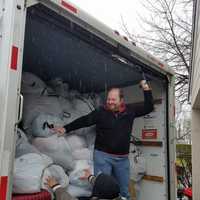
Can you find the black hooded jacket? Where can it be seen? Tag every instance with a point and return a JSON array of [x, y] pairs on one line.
[[113, 129]]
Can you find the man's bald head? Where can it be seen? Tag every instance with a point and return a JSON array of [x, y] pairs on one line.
[[115, 98]]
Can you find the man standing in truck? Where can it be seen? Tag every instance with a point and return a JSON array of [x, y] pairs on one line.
[[113, 129]]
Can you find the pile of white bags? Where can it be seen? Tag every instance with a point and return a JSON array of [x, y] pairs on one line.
[[57, 148], [63, 110], [73, 153], [32, 170]]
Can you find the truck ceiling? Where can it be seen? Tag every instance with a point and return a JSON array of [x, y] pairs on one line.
[[56, 47]]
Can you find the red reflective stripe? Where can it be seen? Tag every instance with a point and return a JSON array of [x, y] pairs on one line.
[[69, 7], [3, 187], [14, 58]]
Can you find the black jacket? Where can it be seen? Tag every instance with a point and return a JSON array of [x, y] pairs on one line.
[[113, 130]]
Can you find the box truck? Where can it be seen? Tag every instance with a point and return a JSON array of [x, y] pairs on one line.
[[55, 38]]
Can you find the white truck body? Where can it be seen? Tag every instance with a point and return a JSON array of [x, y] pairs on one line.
[[48, 33]]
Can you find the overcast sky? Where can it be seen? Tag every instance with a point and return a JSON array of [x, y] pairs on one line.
[[110, 11]]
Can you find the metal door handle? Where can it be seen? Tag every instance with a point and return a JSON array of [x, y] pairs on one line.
[[21, 102]]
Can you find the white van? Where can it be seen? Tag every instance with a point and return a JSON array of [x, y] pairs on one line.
[[54, 38]]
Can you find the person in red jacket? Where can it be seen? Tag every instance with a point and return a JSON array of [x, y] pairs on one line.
[[113, 130]]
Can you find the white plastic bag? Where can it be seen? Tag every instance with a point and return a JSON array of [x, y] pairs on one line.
[[74, 94], [76, 191], [82, 154], [66, 105], [74, 109], [78, 172], [56, 172], [28, 170], [83, 105], [94, 99], [31, 84], [36, 105], [42, 125], [57, 148], [22, 145], [69, 111], [76, 142], [60, 88], [90, 136]]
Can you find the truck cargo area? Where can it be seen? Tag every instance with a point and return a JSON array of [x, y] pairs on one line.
[[57, 47]]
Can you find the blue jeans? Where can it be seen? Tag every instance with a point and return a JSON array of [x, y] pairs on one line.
[[116, 166]]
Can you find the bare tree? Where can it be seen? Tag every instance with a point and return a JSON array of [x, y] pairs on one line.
[[167, 35]]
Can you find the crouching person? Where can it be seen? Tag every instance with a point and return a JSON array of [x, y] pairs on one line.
[[104, 187]]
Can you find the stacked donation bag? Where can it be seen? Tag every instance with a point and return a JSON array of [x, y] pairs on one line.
[[40, 152]]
